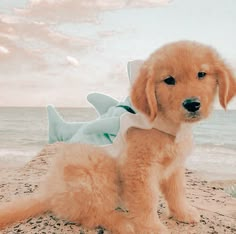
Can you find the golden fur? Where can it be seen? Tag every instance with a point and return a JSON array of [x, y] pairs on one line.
[[86, 185]]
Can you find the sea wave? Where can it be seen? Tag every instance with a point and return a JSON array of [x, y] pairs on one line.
[[32, 142], [219, 147], [216, 161], [17, 154]]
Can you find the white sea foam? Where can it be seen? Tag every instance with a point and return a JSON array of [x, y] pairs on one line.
[[216, 162], [16, 155]]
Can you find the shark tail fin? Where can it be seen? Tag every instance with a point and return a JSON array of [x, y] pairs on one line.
[[54, 121]]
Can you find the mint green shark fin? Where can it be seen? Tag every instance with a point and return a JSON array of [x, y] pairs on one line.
[[101, 102], [58, 129], [107, 125]]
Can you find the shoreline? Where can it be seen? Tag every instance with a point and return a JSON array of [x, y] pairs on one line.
[[222, 179], [202, 174], [9, 164], [217, 208]]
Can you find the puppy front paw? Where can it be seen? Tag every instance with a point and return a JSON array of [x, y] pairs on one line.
[[152, 229], [161, 229], [127, 228], [187, 215]]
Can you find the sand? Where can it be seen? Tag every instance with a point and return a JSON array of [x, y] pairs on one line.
[[217, 208]]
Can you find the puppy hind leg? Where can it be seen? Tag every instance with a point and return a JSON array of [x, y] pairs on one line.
[[20, 209]]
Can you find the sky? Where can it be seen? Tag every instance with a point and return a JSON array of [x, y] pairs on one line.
[[58, 51]]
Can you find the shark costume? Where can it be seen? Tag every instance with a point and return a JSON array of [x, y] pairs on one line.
[[109, 129]]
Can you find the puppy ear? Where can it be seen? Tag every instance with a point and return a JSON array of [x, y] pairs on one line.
[[227, 84], [143, 94]]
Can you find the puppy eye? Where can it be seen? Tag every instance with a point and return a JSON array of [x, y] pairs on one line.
[[201, 75], [170, 80]]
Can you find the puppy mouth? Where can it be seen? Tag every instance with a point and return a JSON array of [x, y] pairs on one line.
[[192, 116]]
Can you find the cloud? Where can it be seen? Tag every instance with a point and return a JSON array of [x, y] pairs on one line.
[[72, 61], [82, 10], [15, 59], [4, 50], [20, 28], [26, 45]]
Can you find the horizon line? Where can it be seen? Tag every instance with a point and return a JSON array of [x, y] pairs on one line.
[[88, 107]]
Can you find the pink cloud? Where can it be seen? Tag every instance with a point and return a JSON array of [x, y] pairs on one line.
[[23, 28], [17, 59], [82, 10], [29, 37], [24, 44]]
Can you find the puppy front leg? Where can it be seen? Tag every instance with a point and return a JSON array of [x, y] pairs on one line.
[[140, 197], [173, 189]]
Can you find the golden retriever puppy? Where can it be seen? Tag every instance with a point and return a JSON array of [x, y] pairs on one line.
[[175, 88]]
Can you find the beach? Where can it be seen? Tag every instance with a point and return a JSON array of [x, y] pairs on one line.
[[217, 208], [25, 158]]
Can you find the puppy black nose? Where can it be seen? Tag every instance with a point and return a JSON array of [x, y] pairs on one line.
[[192, 104]]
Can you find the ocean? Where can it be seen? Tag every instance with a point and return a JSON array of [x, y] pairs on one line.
[[23, 133]]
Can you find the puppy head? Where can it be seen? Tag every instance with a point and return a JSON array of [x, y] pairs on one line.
[[179, 81]]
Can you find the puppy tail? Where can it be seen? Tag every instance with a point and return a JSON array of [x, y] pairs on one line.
[[22, 208]]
